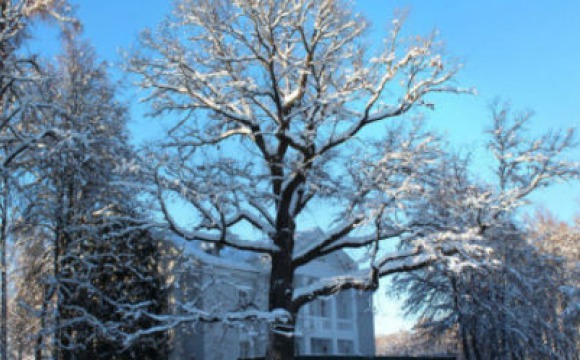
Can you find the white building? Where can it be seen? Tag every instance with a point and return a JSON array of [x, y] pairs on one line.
[[237, 281]]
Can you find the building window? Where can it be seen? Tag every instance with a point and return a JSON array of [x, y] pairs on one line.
[[321, 346], [345, 347], [320, 307], [344, 306], [300, 318], [299, 346], [243, 299], [245, 350]]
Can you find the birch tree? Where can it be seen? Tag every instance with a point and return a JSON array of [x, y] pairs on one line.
[[277, 104]]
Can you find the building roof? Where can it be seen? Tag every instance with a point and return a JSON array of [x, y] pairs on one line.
[[234, 259]]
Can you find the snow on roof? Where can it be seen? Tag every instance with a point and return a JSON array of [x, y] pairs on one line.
[[230, 258]]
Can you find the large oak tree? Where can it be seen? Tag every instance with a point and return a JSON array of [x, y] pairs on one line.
[[279, 103]]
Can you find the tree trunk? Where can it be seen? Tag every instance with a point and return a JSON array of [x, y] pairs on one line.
[[46, 295], [57, 252], [462, 331], [281, 336], [4, 235], [467, 354], [4, 339], [3, 57], [56, 312], [475, 346]]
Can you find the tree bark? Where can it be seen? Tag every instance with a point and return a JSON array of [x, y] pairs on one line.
[[43, 314], [475, 347], [4, 235], [281, 336], [3, 56]]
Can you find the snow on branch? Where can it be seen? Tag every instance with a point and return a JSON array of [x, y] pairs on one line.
[[221, 224], [219, 239], [28, 143], [366, 279], [195, 315], [339, 239]]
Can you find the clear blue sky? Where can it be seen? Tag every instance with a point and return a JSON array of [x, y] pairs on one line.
[[527, 52]]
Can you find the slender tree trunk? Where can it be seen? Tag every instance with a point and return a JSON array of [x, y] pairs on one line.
[[58, 247], [43, 313], [3, 57], [66, 188], [4, 235], [56, 332], [3, 299], [67, 337], [465, 343], [474, 345], [462, 331], [4, 339]]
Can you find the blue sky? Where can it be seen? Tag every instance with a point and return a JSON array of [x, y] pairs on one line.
[[527, 52]]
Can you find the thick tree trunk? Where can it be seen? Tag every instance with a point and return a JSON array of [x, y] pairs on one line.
[[281, 336]]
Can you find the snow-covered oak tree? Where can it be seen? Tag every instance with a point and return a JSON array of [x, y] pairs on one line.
[[274, 99], [280, 104]]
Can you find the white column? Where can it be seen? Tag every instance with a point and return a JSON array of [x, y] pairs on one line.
[[333, 323], [354, 304]]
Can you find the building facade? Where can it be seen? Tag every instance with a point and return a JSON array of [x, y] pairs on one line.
[[232, 281]]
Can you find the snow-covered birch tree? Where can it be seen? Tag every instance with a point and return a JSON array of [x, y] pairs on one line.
[[281, 108]]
